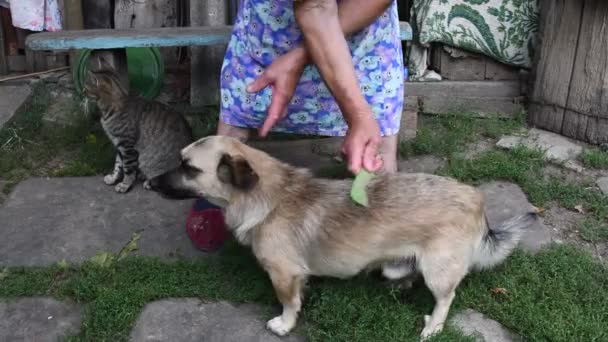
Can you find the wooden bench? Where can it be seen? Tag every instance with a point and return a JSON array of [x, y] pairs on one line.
[[153, 37]]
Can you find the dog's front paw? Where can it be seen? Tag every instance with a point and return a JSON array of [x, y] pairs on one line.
[[123, 187], [429, 330], [278, 326]]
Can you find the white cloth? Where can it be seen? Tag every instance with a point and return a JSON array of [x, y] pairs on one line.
[[36, 15]]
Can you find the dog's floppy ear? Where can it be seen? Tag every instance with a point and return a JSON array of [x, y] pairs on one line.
[[237, 172]]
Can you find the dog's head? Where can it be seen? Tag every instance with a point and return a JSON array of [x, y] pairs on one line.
[[216, 168]]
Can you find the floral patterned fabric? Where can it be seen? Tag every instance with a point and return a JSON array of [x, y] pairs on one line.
[[501, 29], [35, 15], [266, 29]]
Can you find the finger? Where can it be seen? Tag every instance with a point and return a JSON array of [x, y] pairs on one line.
[[370, 156], [276, 111], [270, 121], [354, 155], [260, 83], [378, 164]]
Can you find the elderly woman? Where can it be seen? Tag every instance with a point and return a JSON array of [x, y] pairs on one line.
[[320, 67]]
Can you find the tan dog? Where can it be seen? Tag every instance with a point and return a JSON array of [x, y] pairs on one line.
[[300, 226]]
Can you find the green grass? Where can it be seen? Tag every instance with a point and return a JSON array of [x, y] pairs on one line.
[[447, 134], [594, 230], [31, 147], [525, 168], [595, 158], [557, 295], [203, 122]]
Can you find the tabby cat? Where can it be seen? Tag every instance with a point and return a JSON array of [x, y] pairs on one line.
[[147, 135]]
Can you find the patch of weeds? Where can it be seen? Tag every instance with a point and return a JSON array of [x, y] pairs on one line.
[[545, 293], [440, 135], [594, 158], [203, 123], [593, 230], [31, 147], [495, 127], [94, 155], [524, 167], [518, 165], [444, 135]]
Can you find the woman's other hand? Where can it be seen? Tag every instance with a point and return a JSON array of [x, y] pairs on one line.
[[282, 76]]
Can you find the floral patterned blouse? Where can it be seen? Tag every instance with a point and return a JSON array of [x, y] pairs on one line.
[[266, 29]]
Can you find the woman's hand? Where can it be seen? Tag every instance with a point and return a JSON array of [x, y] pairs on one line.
[[282, 76], [361, 145]]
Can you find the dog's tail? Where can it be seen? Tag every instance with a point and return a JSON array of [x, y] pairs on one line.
[[498, 243]]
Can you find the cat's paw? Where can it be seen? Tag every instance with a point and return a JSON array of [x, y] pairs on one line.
[[111, 179], [147, 185], [123, 187]]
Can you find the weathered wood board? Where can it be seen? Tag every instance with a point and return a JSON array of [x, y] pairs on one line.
[[464, 88], [145, 14], [558, 36], [589, 84], [481, 98], [120, 38], [459, 65], [570, 93], [3, 59], [206, 61], [96, 14]]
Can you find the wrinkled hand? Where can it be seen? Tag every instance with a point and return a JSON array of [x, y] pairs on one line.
[[282, 76], [361, 145]]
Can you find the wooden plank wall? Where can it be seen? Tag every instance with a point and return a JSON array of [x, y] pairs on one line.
[[461, 65], [3, 59], [148, 14], [570, 94], [206, 61]]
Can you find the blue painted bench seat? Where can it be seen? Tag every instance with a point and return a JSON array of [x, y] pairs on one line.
[[152, 37]]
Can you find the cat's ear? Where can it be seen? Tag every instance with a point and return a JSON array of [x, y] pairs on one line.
[[237, 172]]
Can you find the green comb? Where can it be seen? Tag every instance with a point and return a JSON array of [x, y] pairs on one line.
[[359, 192]]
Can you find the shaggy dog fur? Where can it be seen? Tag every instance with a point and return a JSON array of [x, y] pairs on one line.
[[300, 226]]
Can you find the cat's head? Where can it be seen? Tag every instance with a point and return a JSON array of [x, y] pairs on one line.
[[102, 82]]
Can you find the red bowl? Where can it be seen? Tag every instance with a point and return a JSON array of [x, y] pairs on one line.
[[207, 229]]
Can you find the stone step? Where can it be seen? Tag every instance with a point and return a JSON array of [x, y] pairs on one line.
[[190, 319], [505, 200], [12, 98], [38, 319], [481, 328], [44, 221]]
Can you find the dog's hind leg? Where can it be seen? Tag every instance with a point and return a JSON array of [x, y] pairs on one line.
[[442, 274], [288, 288]]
